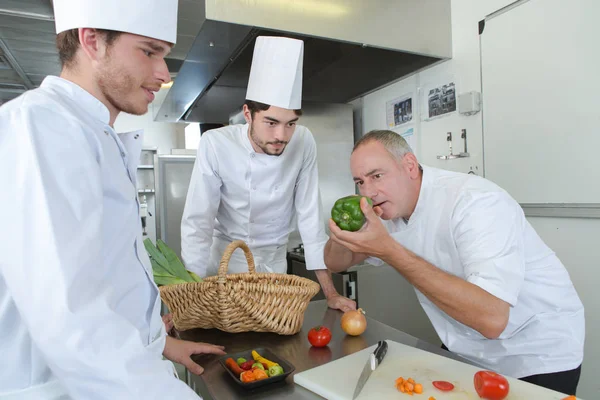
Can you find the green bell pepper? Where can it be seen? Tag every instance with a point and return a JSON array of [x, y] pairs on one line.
[[346, 213]]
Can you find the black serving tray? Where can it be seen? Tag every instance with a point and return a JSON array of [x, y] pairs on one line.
[[266, 353]]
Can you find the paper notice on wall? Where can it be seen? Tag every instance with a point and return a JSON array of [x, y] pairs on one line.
[[408, 133], [439, 99], [399, 111]]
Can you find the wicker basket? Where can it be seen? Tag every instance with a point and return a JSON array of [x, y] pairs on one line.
[[259, 302]]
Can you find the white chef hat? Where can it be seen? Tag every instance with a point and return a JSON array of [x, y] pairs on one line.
[[276, 72], [156, 19]]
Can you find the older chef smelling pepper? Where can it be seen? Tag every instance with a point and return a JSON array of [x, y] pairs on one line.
[[79, 311], [251, 180], [494, 292]]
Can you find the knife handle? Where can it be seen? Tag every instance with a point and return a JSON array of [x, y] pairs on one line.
[[379, 354]]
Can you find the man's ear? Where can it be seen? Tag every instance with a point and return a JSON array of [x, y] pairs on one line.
[[247, 114], [91, 43], [412, 165]]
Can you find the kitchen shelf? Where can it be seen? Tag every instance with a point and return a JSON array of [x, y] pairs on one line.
[[149, 166], [145, 190]]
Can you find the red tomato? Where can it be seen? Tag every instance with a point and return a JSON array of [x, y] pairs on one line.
[[247, 366], [490, 385], [319, 336], [443, 386]]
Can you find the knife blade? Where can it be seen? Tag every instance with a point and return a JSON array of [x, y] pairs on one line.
[[375, 358]]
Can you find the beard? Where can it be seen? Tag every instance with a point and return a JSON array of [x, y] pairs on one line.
[[120, 88], [264, 145]]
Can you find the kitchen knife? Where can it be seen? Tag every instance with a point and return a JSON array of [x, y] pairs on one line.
[[375, 358]]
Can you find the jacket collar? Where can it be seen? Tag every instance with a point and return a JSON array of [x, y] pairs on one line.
[[84, 99], [426, 181]]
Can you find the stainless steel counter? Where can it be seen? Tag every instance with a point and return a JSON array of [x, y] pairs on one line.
[[216, 384]]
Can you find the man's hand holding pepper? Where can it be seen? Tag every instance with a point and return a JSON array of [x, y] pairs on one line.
[[372, 239]]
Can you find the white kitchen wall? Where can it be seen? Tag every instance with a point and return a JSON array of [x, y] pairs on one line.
[[574, 240], [464, 70]]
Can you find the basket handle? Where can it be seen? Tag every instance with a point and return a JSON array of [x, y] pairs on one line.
[[231, 247]]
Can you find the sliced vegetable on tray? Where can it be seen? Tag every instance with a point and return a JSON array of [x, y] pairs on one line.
[[233, 366], [275, 370], [247, 365], [259, 358], [254, 369], [247, 376]]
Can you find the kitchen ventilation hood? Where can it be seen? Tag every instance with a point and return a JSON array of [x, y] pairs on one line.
[[351, 47]]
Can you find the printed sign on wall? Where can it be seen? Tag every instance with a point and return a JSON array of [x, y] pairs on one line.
[[399, 111], [439, 100]]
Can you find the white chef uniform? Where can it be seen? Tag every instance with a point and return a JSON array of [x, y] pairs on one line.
[[471, 228], [79, 311], [236, 193], [254, 198]]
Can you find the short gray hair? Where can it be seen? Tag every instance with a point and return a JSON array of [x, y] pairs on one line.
[[393, 142]]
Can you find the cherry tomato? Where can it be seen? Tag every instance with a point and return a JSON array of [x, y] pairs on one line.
[[443, 386], [319, 336], [490, 385], [247, 366]]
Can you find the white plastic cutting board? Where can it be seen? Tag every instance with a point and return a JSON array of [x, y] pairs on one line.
[[336, 380]]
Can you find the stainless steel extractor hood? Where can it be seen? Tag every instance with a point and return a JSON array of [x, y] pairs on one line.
[[351, 47]]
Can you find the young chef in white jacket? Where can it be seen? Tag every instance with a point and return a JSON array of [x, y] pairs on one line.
[[251, 180], [79, 311], [494, 292]]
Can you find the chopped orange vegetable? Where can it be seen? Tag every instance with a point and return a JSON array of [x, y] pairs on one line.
[[431, 398], [418, 388], [408, 386], [571, 397]]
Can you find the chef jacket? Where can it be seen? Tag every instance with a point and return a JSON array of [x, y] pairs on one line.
[[79, 311], [472, 229], [236, 193]]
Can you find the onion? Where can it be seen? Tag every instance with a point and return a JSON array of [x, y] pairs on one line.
[[354, 322]]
